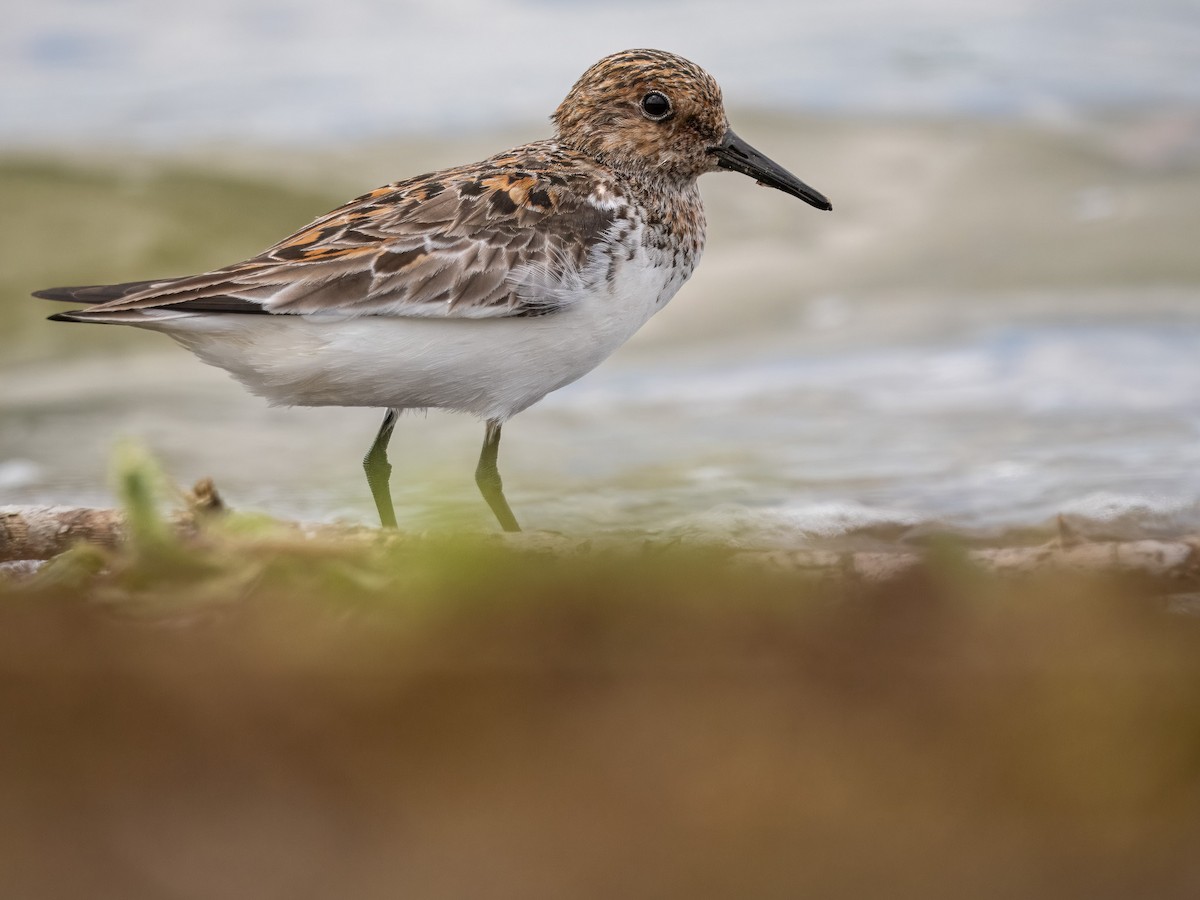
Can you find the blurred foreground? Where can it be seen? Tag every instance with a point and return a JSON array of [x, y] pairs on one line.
[[251, 715]]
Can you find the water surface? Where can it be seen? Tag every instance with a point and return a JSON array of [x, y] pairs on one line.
[[992, 431]]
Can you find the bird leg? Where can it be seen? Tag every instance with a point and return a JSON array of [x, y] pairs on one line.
[[487, 476], [379, 470]]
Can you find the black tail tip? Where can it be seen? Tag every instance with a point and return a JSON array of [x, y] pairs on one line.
[[54, 293], [63, 317]]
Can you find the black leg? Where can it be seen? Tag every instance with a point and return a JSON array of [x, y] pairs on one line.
[[379, 470], [487, 476]]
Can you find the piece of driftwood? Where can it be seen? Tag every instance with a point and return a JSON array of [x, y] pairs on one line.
[[41, 532]]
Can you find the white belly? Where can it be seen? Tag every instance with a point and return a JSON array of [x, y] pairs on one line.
[[493, 368]]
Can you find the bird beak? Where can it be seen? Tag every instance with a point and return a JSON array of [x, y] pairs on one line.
[[736, 155]]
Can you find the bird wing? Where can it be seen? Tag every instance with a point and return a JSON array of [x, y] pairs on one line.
[[506, 237]]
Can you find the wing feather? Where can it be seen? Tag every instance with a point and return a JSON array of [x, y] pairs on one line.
[[459, 243]]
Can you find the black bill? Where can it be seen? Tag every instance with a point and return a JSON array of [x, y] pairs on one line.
[[736, 155]]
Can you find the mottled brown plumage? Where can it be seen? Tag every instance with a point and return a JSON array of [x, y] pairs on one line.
[[601, 116], [585, 235], [484, 240], [442, 244]]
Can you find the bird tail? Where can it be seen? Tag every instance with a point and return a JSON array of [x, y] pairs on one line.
[[100, 294]]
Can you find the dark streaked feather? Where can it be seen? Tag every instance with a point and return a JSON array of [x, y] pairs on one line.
[[98, 293], [107, 293], [221, 304], [457, 243]]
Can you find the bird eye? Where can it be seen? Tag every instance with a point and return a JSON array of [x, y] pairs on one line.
[[656, 106]]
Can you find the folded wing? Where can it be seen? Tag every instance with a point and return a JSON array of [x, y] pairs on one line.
[[508, 237]]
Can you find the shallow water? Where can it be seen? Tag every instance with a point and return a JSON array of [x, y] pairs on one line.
[[989, 430], [995, 327]]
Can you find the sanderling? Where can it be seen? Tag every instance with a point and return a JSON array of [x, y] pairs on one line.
[[480, 288]]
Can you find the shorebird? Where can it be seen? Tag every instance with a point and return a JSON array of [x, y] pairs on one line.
[[480, 288]]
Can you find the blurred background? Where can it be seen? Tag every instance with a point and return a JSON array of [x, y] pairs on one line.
[[997, 324]]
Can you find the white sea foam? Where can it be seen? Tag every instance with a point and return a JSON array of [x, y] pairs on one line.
[[1132, 515]]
